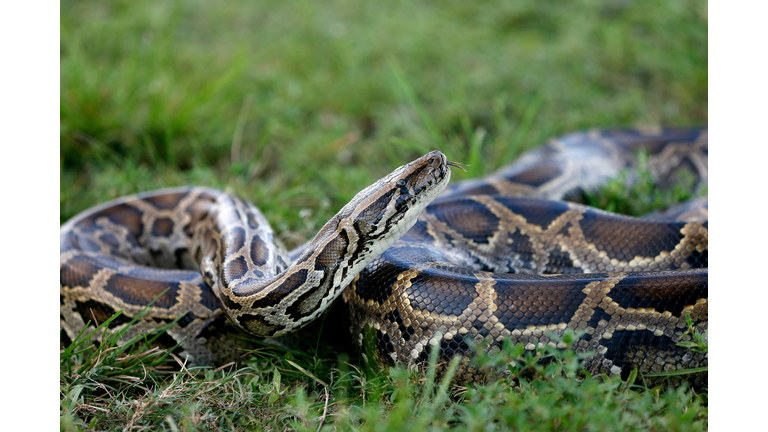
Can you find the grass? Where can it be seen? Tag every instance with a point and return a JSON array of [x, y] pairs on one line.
[[110, 387], [297, 106], [643, 196]]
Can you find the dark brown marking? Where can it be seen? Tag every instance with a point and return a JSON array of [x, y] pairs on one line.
[[207, 297], [98, 312], [187, 319], [663, 292], [198, 211], [521, 245], [140, 292], [327, 262], [539, 174], [385, 345], [560, 262], [123, 214], [698, 259], [598, 314], [455, 346], [234, 270], [163, 227], [624, 238], [369, 218], [301, 308], [257, 324], [78, 272], [259, 251], [166, 201], [235, 239], [522, 306], [231, 304], [625, 341], [433, 290], [253, 222], [333, 252], [395, 318], [291, 283], [534, 210], [479, 228], [564, 231]]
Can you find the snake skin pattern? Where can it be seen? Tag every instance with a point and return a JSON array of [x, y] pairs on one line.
[[503, 257]]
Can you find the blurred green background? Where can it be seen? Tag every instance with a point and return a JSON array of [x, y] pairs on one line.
[[298, 105]]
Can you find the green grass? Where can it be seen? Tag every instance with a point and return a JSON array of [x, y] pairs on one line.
[[111, 387], [643, 196], [297, 106]]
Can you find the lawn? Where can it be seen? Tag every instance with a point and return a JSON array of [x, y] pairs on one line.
[[297, 106]]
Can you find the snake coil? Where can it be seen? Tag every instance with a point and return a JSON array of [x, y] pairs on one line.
[[417, 265]]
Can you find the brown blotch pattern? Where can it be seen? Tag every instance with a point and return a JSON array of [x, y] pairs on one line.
[[419, 296], [142, 292], [163, 227]]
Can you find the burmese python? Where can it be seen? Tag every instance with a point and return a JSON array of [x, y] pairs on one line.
[[490, 259]]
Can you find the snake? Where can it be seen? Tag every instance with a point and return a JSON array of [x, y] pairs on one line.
[[417, 265]]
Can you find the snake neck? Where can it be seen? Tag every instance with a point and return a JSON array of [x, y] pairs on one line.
[[264, 295]]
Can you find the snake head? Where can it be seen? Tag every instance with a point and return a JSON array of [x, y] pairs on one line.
[[358, 234], [389, 207], [380, 214]]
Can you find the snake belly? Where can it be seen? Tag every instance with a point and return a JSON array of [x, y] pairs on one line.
[[493, 259]]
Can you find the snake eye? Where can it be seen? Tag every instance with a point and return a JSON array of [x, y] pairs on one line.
[[400, 183]]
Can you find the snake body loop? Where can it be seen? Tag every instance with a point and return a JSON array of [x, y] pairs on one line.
[[489, 260]]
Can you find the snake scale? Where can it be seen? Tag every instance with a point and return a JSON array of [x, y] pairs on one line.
[[418, 265]]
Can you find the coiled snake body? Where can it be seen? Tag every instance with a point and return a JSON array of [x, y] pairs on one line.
[[487, 260]]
